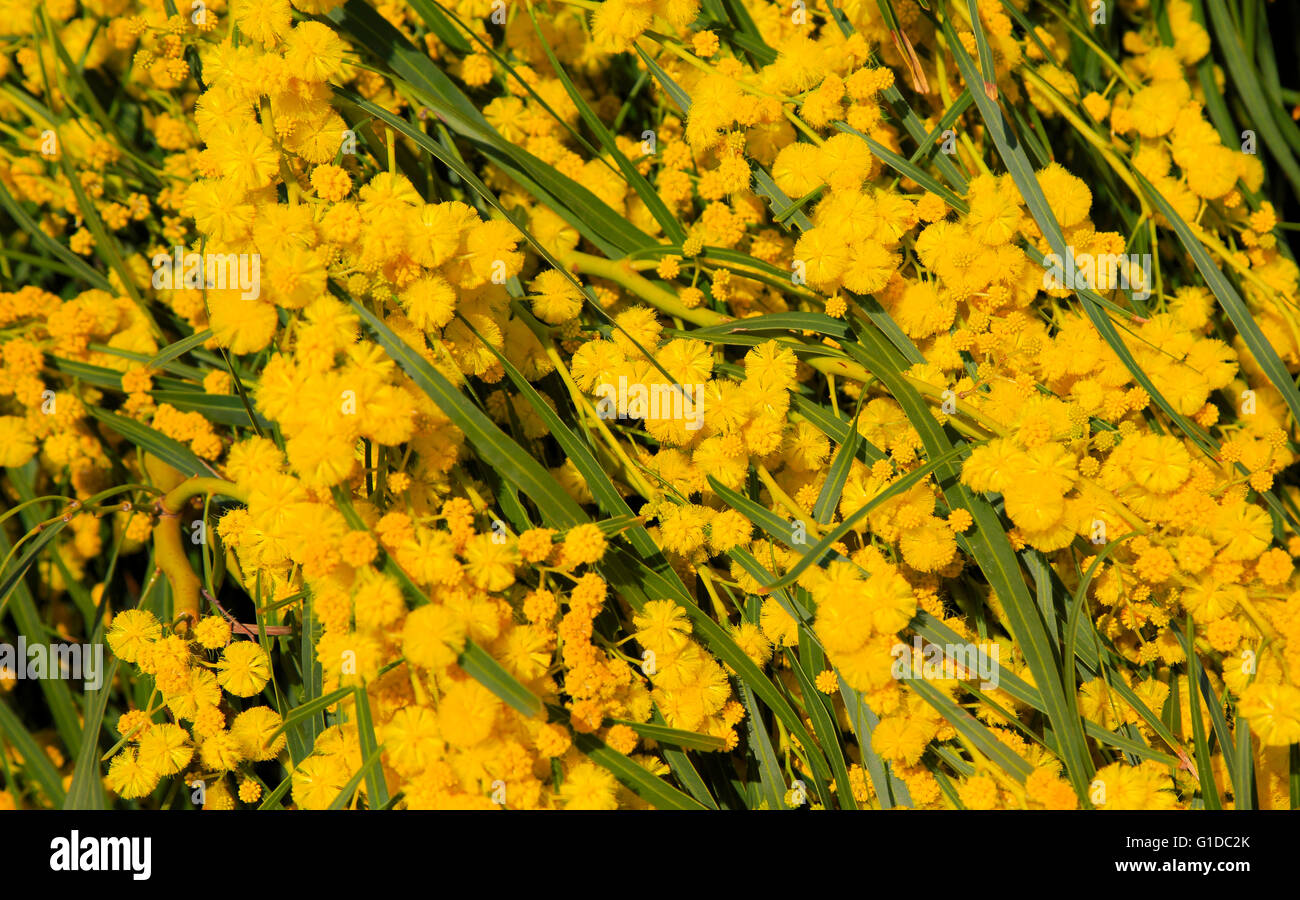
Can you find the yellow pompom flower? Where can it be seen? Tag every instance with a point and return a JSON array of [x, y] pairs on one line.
[[128, 778], [164, 749], [588, 786], [1273, 711], [583, 544], [212, 632], [131, 631], [244, 669]]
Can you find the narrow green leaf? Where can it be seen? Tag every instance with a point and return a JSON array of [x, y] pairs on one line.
[[169, 450], [494, 447], [35, 762], [780, 529], [349, 789], [649, 196], [1230, 44], [179, 348], [376, 786], [973, 730], [1244, 763], [87, 788], [674, 737], [836, 476], [301, 713], [989, 546], [440, 25], [32, 551], [492, 675], [771, 783], [654, 790], [827, 732], [84, 272], [1204, 766]]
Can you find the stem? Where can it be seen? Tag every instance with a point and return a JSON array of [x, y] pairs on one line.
[[624, 275], [169, 551]]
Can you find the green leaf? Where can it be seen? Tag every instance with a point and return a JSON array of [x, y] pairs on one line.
[[312, 676], [1243, 796], [829, 497], [1246, 79], [1022, 174], [492, 675], [723, 646], [946, 121], [440, 25], [1204, 765], [827, 731], [87, 788], [675, 737], [372, 762], [42, 240], [30, 622], [106, 245], [376, 786], [780, 529], [654, 790], [272, 800], [15, 576], [577, 205], [494, 447], [685, 770], [818, 323], [306, 710], [649, 196], [973, 730], [834, 427], [35, 762], [985, 52], [179, 348], [598, 481], [890, 791], [169, 450], [221, 409], [671, 88], [989, 545], [771, 783], [906, 167]]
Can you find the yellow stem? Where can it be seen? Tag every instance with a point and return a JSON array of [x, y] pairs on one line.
[[169, 550], [630, 471], [624, 275], [783, 498]]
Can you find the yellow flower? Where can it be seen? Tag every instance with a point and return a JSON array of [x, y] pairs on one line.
[[253, 729], [318, 780], [211, 633], [588, 786], [490, 561], [244, 669], [164, 749], [128, 778], [1273, 711], [131, 631], [583, 544]]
